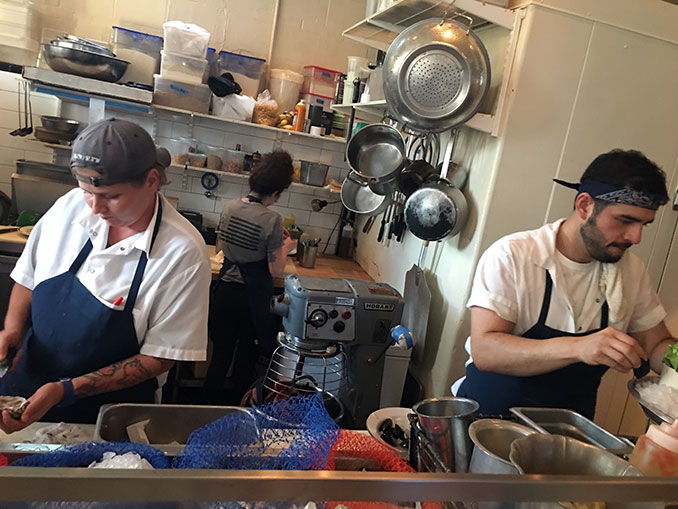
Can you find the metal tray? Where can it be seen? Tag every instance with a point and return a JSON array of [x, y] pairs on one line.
[[168, 425], [561, 421]]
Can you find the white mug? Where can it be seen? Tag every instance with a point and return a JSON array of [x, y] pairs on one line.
[[316, 130]]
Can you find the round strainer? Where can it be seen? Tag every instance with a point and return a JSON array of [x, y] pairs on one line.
[[436, 74]]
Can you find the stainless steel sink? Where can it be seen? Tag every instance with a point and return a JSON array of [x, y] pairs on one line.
[[168, 426]]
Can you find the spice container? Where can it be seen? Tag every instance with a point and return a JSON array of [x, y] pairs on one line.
[[656, 453]]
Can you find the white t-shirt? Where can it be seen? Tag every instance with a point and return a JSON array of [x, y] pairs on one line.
[[510, 280], [170, 313]]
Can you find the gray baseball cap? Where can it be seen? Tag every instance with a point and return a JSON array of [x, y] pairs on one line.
[[120, 151]]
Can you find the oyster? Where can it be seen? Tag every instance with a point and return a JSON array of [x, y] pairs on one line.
[[15, 405]]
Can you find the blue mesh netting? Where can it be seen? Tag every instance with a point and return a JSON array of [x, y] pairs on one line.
[[81, 455], [294, 433]]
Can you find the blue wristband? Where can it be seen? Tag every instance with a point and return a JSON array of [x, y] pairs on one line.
[[69, 392]]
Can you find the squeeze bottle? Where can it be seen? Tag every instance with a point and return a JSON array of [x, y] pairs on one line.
[[656, 453], [299, 116]]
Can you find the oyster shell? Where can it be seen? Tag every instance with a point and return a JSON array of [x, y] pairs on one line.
[[15, 405]]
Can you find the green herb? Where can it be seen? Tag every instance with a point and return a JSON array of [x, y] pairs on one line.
[[671, 356]]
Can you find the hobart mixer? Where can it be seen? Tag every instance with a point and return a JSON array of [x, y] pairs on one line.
[[337, 342]]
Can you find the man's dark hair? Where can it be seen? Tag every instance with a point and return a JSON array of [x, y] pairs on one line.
[[273, 173], [628, 168]]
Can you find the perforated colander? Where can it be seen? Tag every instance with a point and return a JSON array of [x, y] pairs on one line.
[[436, 75]]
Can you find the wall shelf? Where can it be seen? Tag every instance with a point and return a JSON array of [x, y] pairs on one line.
[[379, 30], [372, 111], [245, 177]]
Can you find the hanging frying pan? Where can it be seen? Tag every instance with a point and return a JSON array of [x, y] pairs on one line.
[[436, 75]]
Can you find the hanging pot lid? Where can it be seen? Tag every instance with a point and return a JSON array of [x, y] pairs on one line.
[[436, 74]]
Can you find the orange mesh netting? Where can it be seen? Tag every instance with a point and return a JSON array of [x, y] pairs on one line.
[[352, 447]]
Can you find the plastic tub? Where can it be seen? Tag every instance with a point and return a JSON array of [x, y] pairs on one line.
[[234, 161], [354, 66], [18, 51], [185, 39], [179, 149], [246, 71], [16, 14], [18, 31], [284, 86], [185, 96], [141, 50], [318, 100], [182, 68], [320, 81]]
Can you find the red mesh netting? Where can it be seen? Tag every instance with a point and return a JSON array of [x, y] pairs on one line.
[[3, 460], [357, 451]]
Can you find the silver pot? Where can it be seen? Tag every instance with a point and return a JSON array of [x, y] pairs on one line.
[[386, 185], [492, 440], [436, 210], [359, 198], [376, 151]]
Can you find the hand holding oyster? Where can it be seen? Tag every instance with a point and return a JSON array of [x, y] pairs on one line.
[[15, 405]]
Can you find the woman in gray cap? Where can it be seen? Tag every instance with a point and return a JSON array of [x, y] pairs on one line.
[[116, 283]]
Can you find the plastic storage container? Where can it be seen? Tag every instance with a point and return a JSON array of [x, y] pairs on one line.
[[320, 81], [141, 50], [285, 86], [185, 39], [318, 100], [185, 96], [18, 51], [656, 453], [182, 68], [246, 71]]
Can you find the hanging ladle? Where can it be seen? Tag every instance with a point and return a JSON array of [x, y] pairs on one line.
[[28, 111], [18, 130]]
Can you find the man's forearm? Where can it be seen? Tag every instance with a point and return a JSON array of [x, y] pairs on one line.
[[120, 375], [518, 356]]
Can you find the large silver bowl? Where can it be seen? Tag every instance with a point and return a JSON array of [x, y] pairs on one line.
[[59, 124], [436, 75], [84, 63]]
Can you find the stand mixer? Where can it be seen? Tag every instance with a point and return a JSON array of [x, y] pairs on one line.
[[336, 342]]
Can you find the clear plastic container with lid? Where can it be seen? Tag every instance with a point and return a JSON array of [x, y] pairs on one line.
[[320, 81], [185, 96], [185, 39], [656, 453], [247, 71], [182, 68], [284, 86], [141, 50]]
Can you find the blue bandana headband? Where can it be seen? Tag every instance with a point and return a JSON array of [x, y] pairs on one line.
[[613, 194]]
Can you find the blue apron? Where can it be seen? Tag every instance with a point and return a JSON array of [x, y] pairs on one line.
[[574, 386], [73, 334]]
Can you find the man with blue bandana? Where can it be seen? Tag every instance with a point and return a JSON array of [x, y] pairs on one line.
[[553, 309]]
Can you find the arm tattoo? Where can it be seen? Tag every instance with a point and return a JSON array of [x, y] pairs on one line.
[[120, 375]]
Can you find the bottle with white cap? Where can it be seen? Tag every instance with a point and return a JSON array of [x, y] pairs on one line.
[[656, 453]]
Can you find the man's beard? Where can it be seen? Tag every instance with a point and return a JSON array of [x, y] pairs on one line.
[[595, 244]]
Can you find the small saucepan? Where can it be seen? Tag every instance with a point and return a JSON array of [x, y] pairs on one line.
[[376, 151], [357, 196], [387, 185], [436, 210]]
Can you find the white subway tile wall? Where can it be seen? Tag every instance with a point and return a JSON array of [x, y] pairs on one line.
[[186, 185]]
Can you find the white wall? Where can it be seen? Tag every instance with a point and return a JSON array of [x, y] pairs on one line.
[[308, 31]]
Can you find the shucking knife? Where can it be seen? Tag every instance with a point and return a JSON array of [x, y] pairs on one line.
[[6, 363]]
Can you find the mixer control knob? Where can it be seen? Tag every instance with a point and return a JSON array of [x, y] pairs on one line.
[[333, 314], [339, 327], [318, 318]]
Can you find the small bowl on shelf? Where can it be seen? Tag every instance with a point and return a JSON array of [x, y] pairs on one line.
[[48, 136], [59, 124]]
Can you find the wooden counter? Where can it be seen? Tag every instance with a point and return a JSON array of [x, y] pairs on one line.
[[325, 266]]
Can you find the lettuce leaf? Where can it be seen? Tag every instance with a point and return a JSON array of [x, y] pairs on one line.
[[671, 356]]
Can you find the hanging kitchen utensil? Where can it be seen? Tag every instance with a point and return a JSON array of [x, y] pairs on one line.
[[357, 197], [417, 297], [18, 130], [376, 151], [29, 129], [436, 75], [437, 209]]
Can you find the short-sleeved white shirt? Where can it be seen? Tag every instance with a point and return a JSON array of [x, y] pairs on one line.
[[170, 313], [510, 280]]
